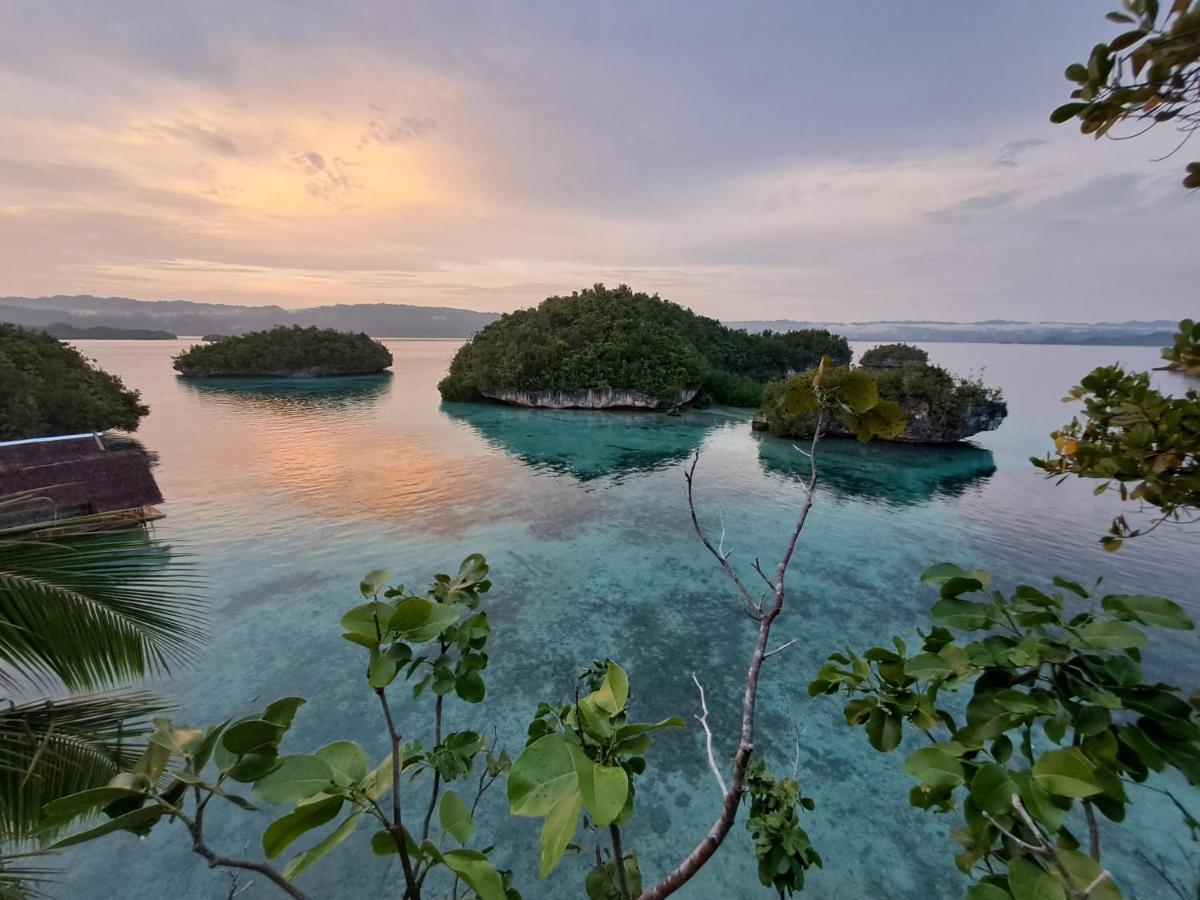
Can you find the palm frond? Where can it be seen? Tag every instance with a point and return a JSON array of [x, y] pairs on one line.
[[53, 748], [93, 610], [22, 877]]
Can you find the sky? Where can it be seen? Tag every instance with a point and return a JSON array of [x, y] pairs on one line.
[[807, 160]]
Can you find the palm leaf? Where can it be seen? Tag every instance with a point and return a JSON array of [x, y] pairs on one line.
[[21, 878], [92, 610], [52, 748]]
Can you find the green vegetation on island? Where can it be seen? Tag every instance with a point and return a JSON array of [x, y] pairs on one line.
[[286, 351], [617, 340], [935, 406], [48, 388], [105, 333]]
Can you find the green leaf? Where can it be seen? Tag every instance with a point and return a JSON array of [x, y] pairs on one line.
[[139, 821], [934, 767], [283, 711], [373, 582], [1112, 635], [347, 760], [1064, 113], [469, 687], [943, 572], [300, 863], [883, 730], [1066, 773], [992, 789], [985, 891], [419, 621], [297, 778], [1157, 612], [455, 817], [962, 615], [478, 873], [1083, 872], [381, 669], [284, 830], [65, 809], [540, 776], [927, 665], [613, 692], [858, 391], [250, 735], [557, 831], [1027, 881], [604, 789]]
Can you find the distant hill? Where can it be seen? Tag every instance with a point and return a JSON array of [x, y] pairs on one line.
[[191, 318], [399, 320], [1156, 333]]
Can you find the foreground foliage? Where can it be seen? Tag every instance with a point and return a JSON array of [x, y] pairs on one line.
[[1184, 353], [1136, 440], [1059, 721], [616, 339], [82, 617], [898, 394], [1149, 74], [48, 388], [286, 350]]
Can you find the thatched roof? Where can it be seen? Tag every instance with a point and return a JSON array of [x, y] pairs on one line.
[[75, 475]]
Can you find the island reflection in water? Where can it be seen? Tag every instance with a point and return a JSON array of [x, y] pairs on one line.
[[301, 395], [896, 474], [590, 444]]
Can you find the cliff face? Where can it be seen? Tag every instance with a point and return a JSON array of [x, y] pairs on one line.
[[986, 415], [589, 399]]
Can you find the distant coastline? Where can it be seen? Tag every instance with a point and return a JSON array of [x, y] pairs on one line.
[[78, 317]]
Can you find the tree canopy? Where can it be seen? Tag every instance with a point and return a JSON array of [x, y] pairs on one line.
[[619, 339], [286, 350], [887, 356], [1148, 74], [49, 388]]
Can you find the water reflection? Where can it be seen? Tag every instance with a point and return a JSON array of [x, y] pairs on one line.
[[301, 395], [589, 444], [899, 474]]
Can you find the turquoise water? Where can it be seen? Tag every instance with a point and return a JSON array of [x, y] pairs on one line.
[[289, 492]]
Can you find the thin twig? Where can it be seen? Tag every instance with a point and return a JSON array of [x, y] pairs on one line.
[[780, 648], [703, 720]]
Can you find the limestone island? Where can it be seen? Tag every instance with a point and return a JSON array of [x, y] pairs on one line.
[[937, 407], [604, 348], [286, 352]]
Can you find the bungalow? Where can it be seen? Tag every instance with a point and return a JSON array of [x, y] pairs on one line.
[[93, 474]]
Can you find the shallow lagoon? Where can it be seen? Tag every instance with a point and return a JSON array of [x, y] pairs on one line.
[[288, 492]]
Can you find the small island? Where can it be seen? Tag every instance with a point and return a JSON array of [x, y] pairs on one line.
[[604, 348], [937, 407], [286, 352], [68, 332]]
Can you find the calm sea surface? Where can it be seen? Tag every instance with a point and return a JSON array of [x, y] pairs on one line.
[[288, 492]]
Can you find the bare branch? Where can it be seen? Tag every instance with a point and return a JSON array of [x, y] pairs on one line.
[[703, 720], [780, 648], [720, 557]]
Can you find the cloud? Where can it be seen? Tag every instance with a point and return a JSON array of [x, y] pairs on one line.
[[977, 205], [380, 131], [1011, 154], [202, 137]]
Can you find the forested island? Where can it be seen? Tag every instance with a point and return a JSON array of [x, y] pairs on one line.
[[105, 333], [48, 388], [286, 352], [936, 407], [617, 348]]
